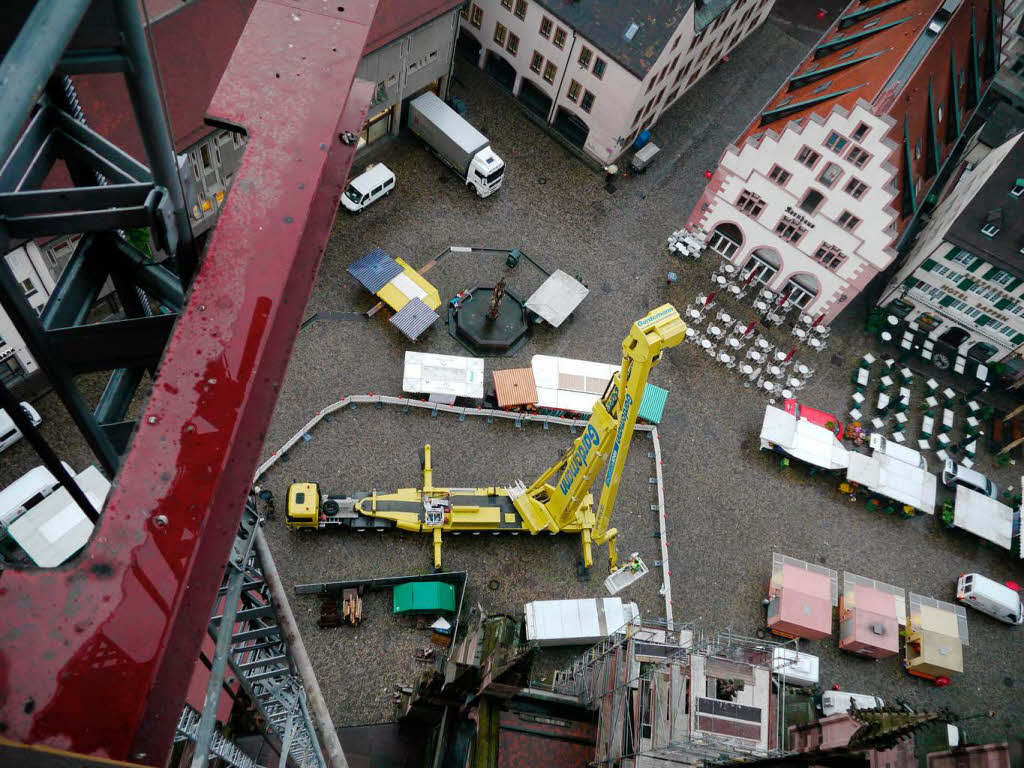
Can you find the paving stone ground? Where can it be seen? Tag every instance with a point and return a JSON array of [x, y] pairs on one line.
[[729, 506]]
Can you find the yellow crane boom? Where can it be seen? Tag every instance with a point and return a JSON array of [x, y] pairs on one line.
[[559, 501]]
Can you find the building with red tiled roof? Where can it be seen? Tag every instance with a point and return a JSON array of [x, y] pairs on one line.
[[817, 194]]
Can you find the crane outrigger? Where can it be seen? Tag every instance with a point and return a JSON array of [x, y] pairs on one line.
[[559, 501]]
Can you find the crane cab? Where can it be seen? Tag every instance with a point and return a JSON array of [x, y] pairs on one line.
[[303, 510]]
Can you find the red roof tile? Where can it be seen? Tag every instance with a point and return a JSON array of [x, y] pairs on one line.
[[191, 46], [397, 17]]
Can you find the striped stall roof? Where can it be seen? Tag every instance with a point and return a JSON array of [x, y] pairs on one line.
[[652, 404], [375, 270], [414, 318]]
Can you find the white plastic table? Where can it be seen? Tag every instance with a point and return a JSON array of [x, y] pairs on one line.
[[725, 318], [901, 418], [693, 314], [858, 398], [942, 455], [714, 330], [705, 344], [943, 439], [898, 437], [754, 355], [906, 373], [949, 393], [760, 306], [905, 396], [733, 342], [763, 343], [719, 279], [775, 370], [960, 364], [800, 333], [982, 372], [862, 377], [781, 356], [886, 381], [972, 421], [877, 423], [893, 320], [795, 383], [883, 401], [803, 370], [787, 394], [814, 343], [886, 336], [747, 369], [924, 445], [868, 359], [906, 342], [725, 358], [973, 407], [932, 384]]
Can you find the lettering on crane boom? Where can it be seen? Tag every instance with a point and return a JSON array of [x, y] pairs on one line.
[[589, 439], [645, 321], [623, 415]]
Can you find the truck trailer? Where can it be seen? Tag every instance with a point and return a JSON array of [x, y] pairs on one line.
[[459, 145]]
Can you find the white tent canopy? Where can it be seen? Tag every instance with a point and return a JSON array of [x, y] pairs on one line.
[[894, 479], [984, 517], [803, 440]]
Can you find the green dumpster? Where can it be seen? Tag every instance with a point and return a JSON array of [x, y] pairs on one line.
[[424, 597]]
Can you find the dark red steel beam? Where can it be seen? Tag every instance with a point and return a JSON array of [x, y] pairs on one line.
[[96, 657]]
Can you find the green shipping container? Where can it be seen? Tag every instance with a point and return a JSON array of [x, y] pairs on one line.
[[424, 597]]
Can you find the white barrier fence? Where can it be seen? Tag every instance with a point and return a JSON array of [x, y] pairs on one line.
[[490, 414]]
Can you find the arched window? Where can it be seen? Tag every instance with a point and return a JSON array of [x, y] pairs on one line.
[[981, 351], [726, 240], [764, 263], [801, 290]]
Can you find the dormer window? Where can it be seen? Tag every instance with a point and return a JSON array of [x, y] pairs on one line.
[[990, 230], [1018, 188]]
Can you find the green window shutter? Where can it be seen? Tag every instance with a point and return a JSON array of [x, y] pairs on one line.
[[1018, 338], [911, 282], [983, 320], [966, 283], [953, 252], [975, 264], [1013, 285], [946, 301], [928, 265], [991, 272], [1003, 303]]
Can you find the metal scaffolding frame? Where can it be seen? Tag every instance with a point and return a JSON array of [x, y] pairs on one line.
[[182, 471], [634, 697]]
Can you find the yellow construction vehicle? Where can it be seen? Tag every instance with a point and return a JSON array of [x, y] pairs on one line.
[[559, 501]]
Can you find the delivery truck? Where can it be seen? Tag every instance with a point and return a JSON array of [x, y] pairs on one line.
[[461, 146]]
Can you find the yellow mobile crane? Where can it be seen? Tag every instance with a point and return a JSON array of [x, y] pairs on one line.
[[559, 501]]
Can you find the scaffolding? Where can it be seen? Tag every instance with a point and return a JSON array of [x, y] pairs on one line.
[[643, 681]]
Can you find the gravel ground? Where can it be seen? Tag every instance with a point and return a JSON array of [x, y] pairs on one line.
[[729, 506]]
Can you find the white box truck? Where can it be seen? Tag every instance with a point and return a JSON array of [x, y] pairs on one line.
[[457, 143]]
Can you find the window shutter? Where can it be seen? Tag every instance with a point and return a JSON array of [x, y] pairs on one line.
[[990, 274], [1018, 338], [953, 252], [1003, 303], [928, 265], [1013, 284], [946, 301], [975, 264], [983, 320], [966, 283], [911, 282]]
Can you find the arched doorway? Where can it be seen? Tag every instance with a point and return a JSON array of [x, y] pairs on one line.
[[503, 73], [468, 47], [764, 263], [725, 240], [801, 289], [954, 336], [981, 351], [571, 127], [534, 99]]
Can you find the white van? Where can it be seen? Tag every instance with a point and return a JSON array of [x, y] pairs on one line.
[[954, 474], [891, 448], [10, 434], [840, 702], [371, 185], [27, 491], [991, 597]]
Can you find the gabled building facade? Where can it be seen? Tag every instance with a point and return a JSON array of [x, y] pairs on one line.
[[600, 72], [964, 278], [817, 194]]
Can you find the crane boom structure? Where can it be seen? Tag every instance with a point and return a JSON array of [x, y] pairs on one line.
[[559, 501]]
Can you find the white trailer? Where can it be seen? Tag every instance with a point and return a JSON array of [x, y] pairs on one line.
[[443, 377], [459, 145], [577, 622]]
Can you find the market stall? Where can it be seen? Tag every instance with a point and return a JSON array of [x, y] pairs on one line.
[[801, 596], [443, 377], [870, 615], [985, 517], [557, 298], [936, 636], [801, 439], [888, 476]]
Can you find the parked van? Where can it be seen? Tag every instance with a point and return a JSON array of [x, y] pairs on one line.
[[27, 491], [840, 702], [10, 434], [991, 597], [954, 474], [371, 185], [891, 448]]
